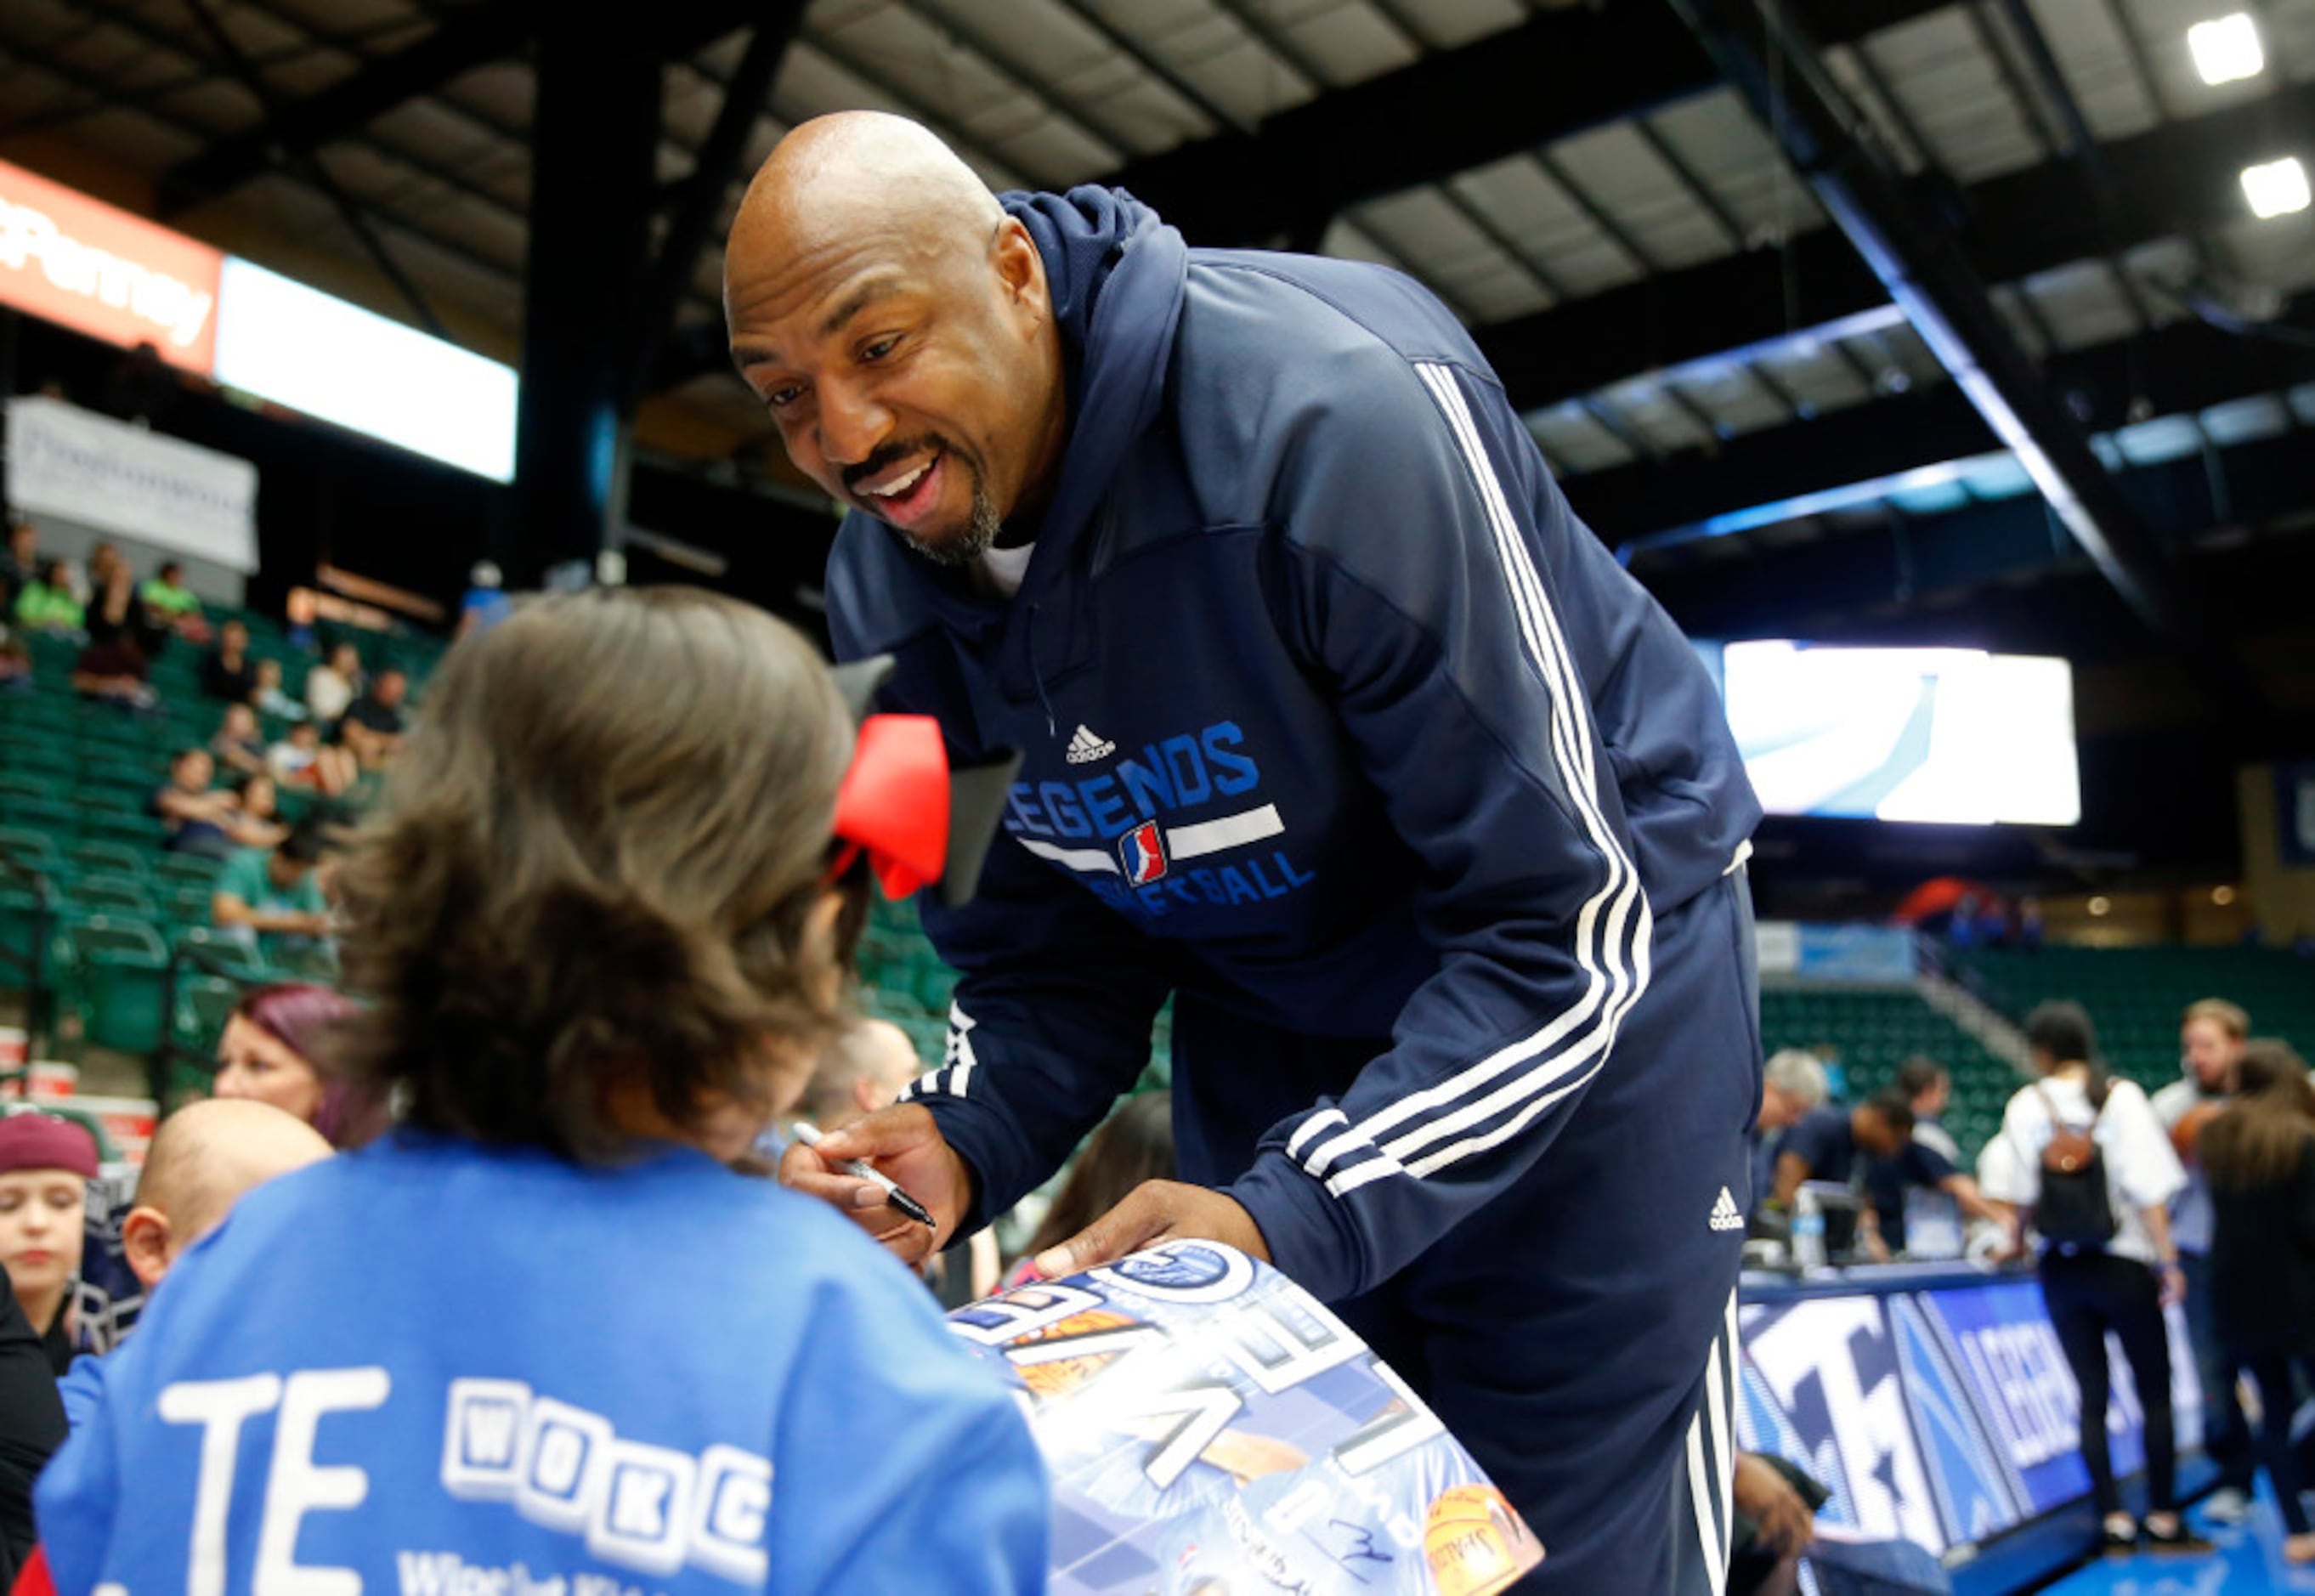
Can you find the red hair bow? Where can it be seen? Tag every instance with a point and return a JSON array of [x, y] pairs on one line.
[[894, 803]]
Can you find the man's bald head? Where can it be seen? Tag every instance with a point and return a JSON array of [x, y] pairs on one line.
[[866, 1068], [896, 323], [203, 1158], [845, 170]]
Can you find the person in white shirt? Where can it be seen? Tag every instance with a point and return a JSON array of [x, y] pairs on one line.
[[2212, 1034], [331, 686], [2118, 1283]]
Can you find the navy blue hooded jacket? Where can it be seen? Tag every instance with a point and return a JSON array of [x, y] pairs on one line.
[[1338, 723]]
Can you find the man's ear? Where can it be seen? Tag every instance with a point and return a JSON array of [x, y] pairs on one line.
[[1020, 268], [145, 1237]]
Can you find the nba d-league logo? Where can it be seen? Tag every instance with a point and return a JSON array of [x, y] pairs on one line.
[[1143, 853]]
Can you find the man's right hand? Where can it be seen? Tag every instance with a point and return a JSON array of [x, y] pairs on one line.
[[905, 1144]]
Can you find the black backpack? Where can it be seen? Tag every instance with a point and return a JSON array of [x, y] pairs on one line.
[[2074, 1210]]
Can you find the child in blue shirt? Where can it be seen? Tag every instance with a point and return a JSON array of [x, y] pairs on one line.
[[541, 1340]]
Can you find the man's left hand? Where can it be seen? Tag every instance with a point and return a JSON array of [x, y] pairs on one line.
[[1156, 1211]]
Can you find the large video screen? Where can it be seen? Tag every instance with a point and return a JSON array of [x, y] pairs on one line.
[[1951, 736], [300, 347]]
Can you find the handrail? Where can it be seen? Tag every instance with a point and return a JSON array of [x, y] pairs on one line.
[[39, 1017], [210, 960]]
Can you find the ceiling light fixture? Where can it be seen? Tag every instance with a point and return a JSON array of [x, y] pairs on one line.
[[2227, 49], [2278, 187]]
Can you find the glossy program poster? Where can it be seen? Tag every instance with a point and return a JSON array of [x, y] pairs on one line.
[[1214, 1431]]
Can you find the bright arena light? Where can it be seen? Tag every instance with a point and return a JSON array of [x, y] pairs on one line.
[[2227, 49], [2279, 188]]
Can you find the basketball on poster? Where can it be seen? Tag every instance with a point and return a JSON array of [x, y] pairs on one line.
[[1212, 1428]]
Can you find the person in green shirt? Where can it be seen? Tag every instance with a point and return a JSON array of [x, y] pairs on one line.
[[47, 605], [168, 603], [272, 900], [166, 594]]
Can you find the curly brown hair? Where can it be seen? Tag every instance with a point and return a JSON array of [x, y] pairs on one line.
[[593, 872]]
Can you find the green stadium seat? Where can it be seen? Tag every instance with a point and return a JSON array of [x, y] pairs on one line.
[[203, 1003], [50, 815], [34, 849], [110, 858], [185, 906], [114, 895], [25, 784], [136, 830], [122, 967], [228, 952], [190, 869]]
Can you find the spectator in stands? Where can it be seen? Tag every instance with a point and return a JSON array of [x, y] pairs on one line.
[[19, 562], [103, 560], [116, 616], [596, 921], [266, 695], [270, 900], [202, 819], [1842, 1145], [485, 604], [46, 1165], [203, 1158], [375, 723], [32, 1428], [2212, 1034], [863, 1069], [297, 617], [227, 670], [260, 799], [2108, 1266], [866, 1067], [170, 603], [330, 686], [1134, 1144], [238, 745], [1792, 1087], [282, 1046], [2259, 1156], [15, 663], [1928, 1089], [112, 669], [300, 760], [49, 604]]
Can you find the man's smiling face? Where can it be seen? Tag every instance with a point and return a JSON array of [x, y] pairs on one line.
[[905, 351]]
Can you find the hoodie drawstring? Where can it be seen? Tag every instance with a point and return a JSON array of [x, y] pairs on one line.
[[1037, 672]]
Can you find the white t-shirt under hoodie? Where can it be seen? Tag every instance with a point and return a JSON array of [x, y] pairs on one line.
[[2142, 1171]]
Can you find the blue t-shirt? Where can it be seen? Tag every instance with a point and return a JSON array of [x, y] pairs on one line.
[[440, 1369]]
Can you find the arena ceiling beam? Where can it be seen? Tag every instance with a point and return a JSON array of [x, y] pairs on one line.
[[2163, 183], [698, 200], [1764, 51], [1944, 570], [483, 34], [1559, 74], [2181, 369]]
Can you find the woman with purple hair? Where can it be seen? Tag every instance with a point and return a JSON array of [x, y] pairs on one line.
[[277, 1049]]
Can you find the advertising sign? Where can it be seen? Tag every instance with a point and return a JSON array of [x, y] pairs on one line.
[[102, 271], [1211, 1427], [73, 463], [1938, 1417]]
